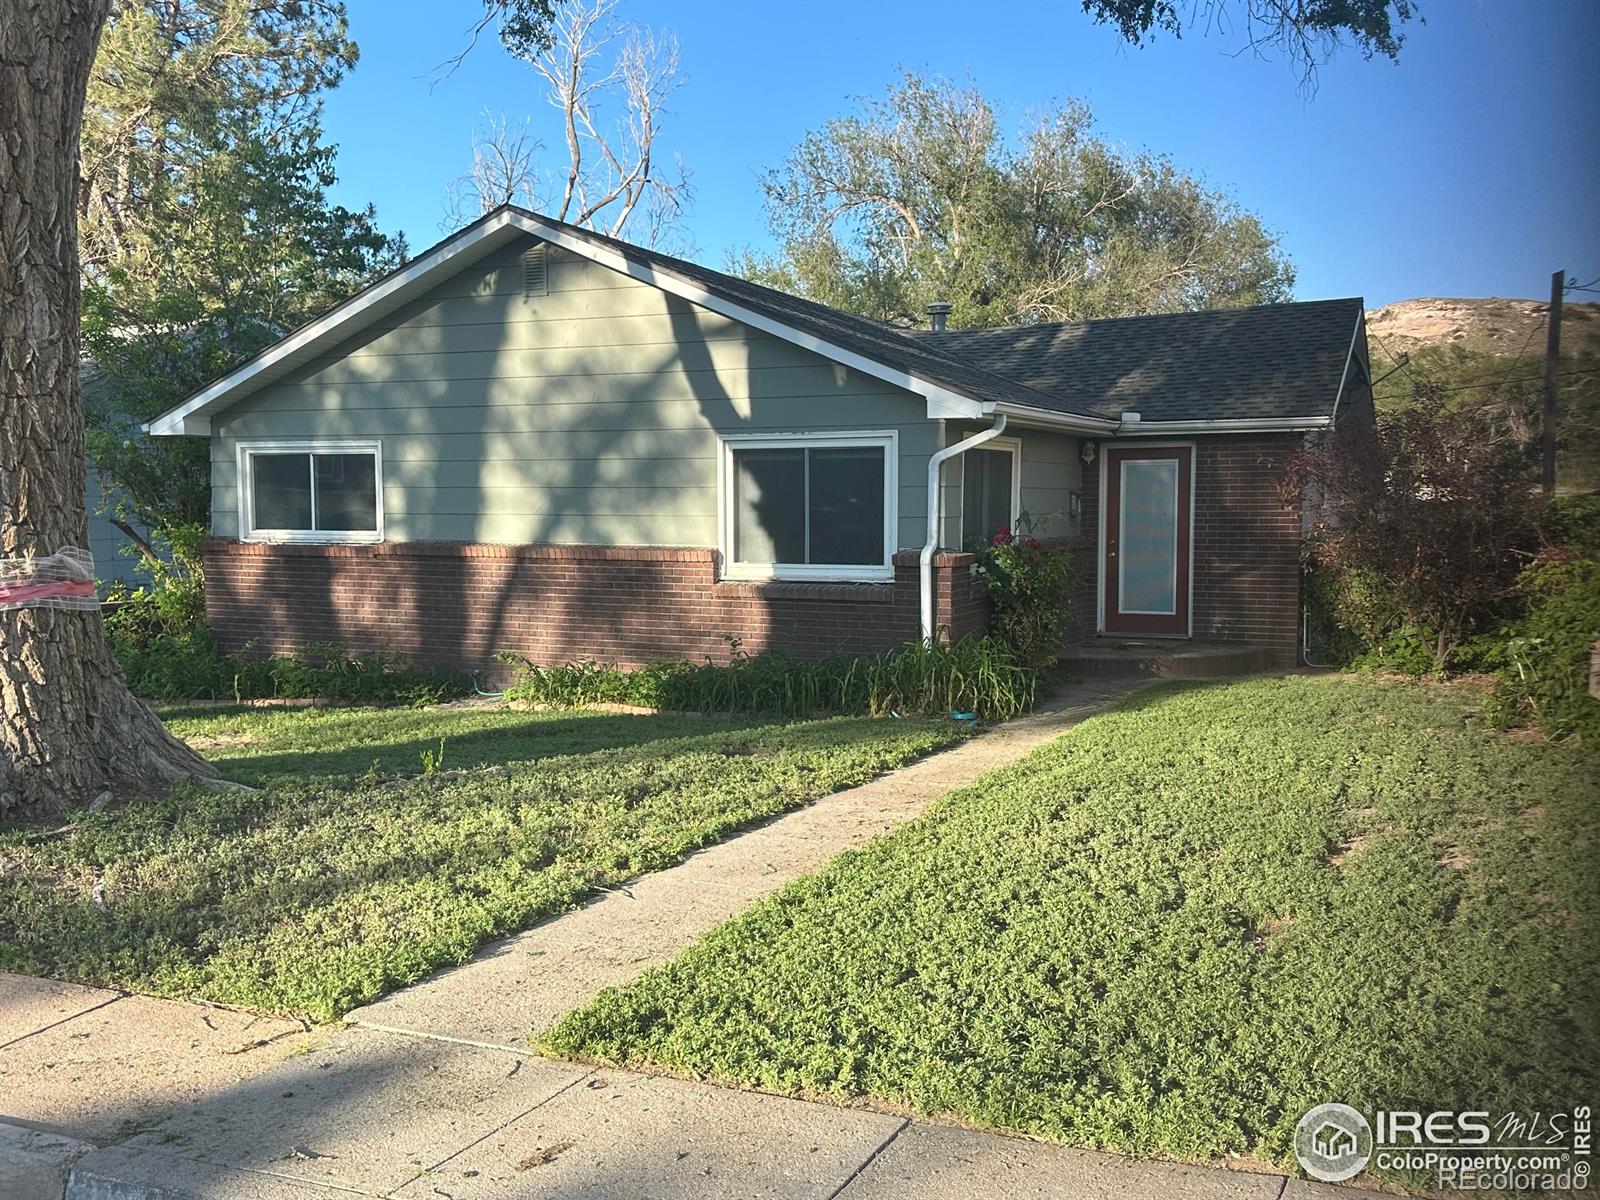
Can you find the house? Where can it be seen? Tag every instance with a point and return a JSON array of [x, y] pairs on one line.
[[535, 437], [116, 559]]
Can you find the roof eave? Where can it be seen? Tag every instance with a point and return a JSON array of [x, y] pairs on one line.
[[1105, 427], [1349, 357], [1052, 419], [1226, 425], [193, 416]]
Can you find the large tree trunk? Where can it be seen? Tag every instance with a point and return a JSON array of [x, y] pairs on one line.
[[69, 727]]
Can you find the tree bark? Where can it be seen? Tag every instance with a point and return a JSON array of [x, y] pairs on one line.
[[69, 727]]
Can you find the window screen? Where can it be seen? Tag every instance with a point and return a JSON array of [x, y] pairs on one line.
[[311, 491], [810, 505]]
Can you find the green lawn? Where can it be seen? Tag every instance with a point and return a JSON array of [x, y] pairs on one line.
[[1175, 929], [348, 873], [251, 745]]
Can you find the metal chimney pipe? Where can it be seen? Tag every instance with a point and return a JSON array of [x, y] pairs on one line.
[[939, 314]]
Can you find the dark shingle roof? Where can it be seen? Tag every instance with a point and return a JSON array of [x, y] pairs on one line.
[[1276, 360]]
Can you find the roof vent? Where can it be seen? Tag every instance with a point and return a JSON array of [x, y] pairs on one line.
[[535, 282], [939, 314]]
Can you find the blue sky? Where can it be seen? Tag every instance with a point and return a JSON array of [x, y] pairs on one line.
[[1470, 168]]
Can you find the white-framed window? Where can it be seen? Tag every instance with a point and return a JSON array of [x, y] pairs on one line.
[[312, 490], [808, 505], [991, 489]]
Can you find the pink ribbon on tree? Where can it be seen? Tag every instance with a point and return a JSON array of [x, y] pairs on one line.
[[64, 579]]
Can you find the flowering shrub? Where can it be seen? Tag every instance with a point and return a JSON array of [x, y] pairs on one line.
[[1028, 583]]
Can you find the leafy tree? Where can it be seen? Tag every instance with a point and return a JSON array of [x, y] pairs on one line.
[[1306, 32], [206, 228], [176, 80], [526, 29], [920, 197]]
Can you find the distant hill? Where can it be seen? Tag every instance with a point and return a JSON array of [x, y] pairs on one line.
[[1489, 354], [1492, 326]]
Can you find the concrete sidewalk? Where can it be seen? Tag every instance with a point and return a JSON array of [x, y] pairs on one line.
[[392, 1115]]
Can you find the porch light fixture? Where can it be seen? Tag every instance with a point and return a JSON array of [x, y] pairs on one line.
[[1087, 453]]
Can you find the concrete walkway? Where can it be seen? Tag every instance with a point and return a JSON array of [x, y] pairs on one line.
[[529, 980], [432, 1092]]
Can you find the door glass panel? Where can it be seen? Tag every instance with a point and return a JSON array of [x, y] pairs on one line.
[[1147, 561]]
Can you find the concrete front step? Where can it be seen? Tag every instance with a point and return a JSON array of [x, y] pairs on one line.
[[1157, 659]]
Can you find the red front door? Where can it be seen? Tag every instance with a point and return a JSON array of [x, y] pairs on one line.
[[1145, 571]]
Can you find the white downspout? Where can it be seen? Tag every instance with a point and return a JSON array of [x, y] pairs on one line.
[[934, 463]]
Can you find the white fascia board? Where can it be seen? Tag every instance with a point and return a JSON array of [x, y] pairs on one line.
[[192, 416], [947, 406], [1241, 425], [1067, 422], [1349, 357]]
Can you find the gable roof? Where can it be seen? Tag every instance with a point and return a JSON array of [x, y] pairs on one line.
[[1271, 362], [1070, 376]]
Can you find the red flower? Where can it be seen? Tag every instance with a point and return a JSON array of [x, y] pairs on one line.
[[1002, 536]]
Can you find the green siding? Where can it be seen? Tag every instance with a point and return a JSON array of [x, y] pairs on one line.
[[1051, 472], [587, 415]]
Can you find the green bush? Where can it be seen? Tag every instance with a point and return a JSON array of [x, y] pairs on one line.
[[1028, 584], [1353, 624], [166, 649], [1574, 522], [167, 652], [976, 674], [1532, 646], [1546, 679]]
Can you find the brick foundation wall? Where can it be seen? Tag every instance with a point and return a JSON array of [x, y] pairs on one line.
[[458, 604], [1246, 545]]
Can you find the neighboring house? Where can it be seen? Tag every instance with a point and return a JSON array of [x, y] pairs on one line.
[[537, 438], [114, 558]]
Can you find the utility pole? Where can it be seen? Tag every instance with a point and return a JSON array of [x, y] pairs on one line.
[[1552, 352]]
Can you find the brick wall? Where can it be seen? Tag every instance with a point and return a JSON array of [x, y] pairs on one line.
[[1246, 545], [1081, 599], [460, 603]]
